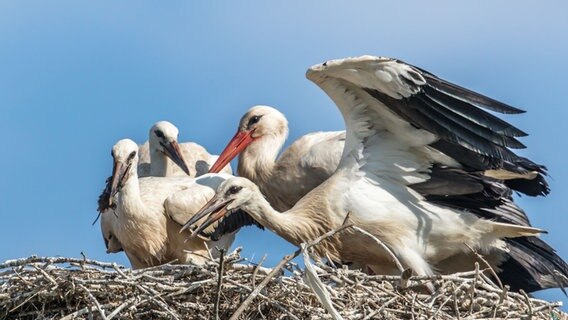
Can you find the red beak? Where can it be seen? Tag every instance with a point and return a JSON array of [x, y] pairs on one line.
[[239, 142]]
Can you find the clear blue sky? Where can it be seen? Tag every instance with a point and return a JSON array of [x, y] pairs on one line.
[[75, 77]]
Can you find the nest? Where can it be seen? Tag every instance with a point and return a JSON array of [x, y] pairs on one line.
[[69, 288]]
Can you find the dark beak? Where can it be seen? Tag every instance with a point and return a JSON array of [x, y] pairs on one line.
[[173, 151], [119, 176], [239, 142], [215, 208]]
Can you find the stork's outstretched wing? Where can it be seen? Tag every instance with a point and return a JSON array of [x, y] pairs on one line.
[[407, 127], [424, 120]]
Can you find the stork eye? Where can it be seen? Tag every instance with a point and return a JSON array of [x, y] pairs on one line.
[[325, 64], [132, 155], [159, 134], [234, 190], [253, 120]]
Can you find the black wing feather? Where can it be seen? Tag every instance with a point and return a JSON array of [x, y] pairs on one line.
[[468, 96], [465, 126], [532, 265], [104, 198], [473, 113], [446, 182], [417, 113], [535, 187], [230, 223], [474, 137], [477, 162], [473, 192]]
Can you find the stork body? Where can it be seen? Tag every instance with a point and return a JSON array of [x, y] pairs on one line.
[[146, 210], [161, 156], [284, 180], [424, 169]]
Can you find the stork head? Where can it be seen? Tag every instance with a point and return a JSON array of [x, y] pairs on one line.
[[258, 122], [125, 157], [232, 194], [163, 137]]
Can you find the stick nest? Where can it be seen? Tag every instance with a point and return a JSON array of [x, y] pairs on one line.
[[69, 288]]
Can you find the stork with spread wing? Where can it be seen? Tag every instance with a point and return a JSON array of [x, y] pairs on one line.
[[425, 169]]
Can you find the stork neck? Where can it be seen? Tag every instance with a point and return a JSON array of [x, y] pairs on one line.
[[295, 225], [258, 160], [159, 163], [129, 196]]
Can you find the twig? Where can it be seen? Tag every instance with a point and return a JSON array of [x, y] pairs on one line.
[[82, 311], [331, 233], [529, 304], [188, 291], [282, 262], [219, 281], [283, 309], [120, 307], [256, 268], [117, 269], [263, 284], [96, 219], [95, 301], [480, 257], [384, 246], [52, 260], [210, 255], [472, 288], [312, 279], [47, 276]]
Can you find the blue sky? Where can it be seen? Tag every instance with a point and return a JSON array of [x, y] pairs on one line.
[[75, 77]]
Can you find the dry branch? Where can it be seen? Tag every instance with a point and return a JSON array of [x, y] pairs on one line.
[[69, 288]]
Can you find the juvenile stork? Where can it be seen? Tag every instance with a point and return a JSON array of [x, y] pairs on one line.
[[163, 156], [303, 166], [424, 169], [169, 158], [147, 210]]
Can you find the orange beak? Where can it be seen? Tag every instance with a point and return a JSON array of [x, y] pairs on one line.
[[239, 142]]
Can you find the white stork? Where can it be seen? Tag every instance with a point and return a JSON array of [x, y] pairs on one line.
[[308, 162], [147, 210], [168, 158], [425, 169], [163, 157]]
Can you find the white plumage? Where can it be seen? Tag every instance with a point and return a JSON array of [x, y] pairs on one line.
[[147, 209], [286, 179], [417, 172], [163, 137], [162, 156]]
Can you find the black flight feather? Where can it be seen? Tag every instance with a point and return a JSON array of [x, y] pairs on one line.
[[473, 192], [463, 124], [414, 111], [532, 265], [230, 223], [467, 95], [104, 198], [473, 113]]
